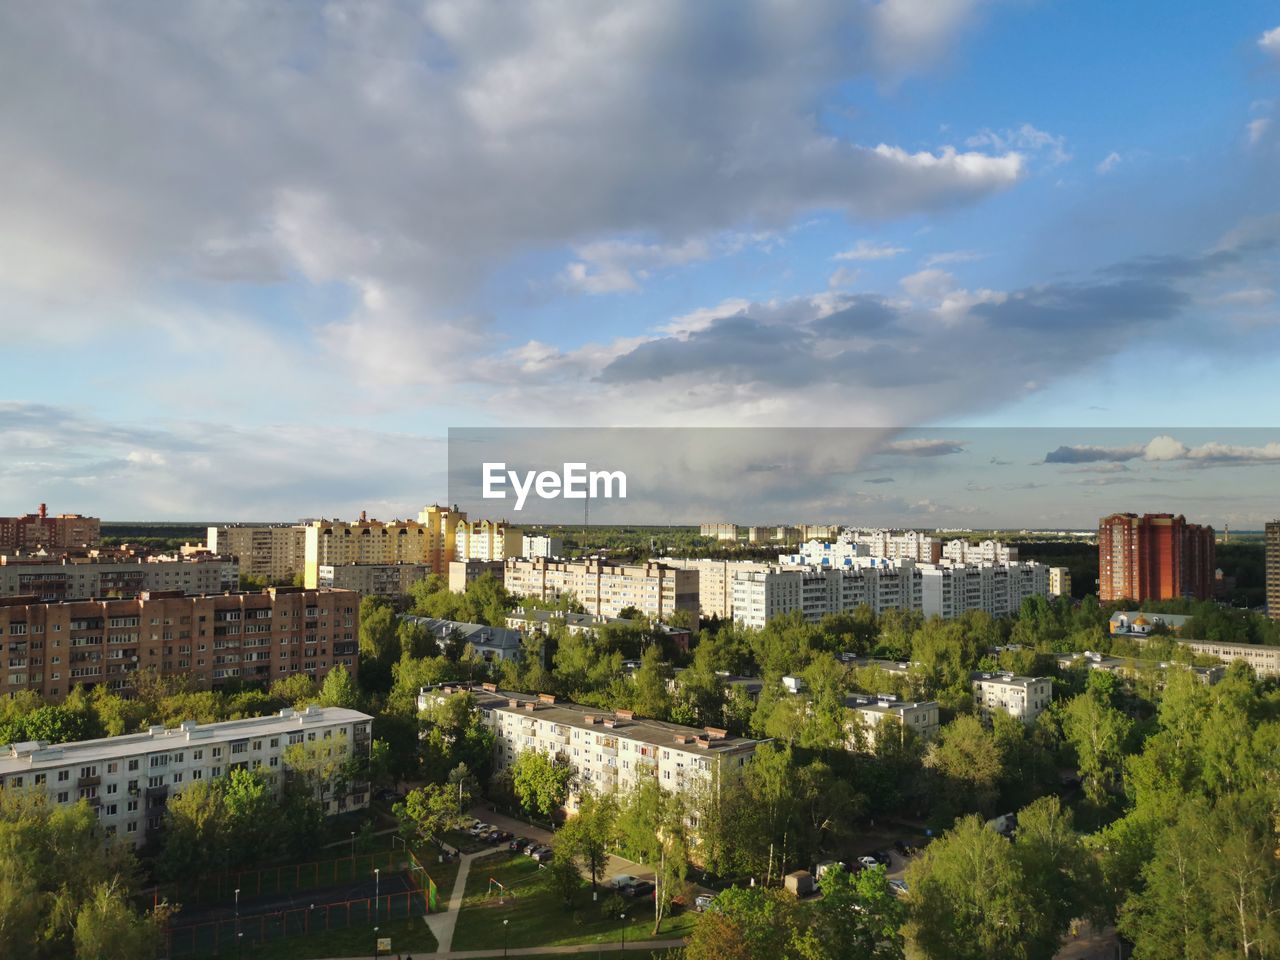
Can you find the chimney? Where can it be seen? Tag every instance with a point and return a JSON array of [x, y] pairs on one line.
[[716, 733], [44, 511], [491, 687], [546, 698], [364, 516], [625, 714]]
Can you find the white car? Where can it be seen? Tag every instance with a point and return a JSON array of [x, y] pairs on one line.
[[866, 863], [620, 881]]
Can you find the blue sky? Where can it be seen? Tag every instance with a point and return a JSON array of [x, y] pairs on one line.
[[257, 260]]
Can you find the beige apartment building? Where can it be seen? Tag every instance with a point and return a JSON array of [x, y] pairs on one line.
[[274, 552], [1059, 582], [82, 578], [610, 751], [715, 581], [464, 572], [429, 539], [606, 589], [487, 540], [373, 579], [1023, 698], [251, 637], [719, 531], [129, 779]]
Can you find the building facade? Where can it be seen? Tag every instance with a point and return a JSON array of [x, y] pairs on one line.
[[715, 581], [1273, 569], [54, 579], [129, 779], [908, 545], [487, 540], [611, 752], [429, 540], [606, 589], [1156, 556], [253, 637], [1023, 698], [719, 531], [464, 572], [272, 552], [1059, 582], [988, 551], [37, 531], [868, 713], [950, 589], [373, 579], [541, 546]]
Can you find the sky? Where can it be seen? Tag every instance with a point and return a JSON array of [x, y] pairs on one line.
[[256, 259]]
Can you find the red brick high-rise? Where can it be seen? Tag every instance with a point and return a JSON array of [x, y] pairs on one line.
[[37, 531], [1156, 556]]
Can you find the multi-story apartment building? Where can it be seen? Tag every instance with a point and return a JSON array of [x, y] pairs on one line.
[[541, 546], [611, 752], [129, 779], [826, 553], [81, 578], [816, 531], [1157, 556], [910, 545], [430, 539], [373, 579], [254, 637], [464, 572], [1023, 698], [1059, 582], [720, 531], [39, 531], [988, 551], [272, 552], [715, 581], [759, 596], [868, 713], [1273, 569], [487, 540], [950, 589], [606, 589]]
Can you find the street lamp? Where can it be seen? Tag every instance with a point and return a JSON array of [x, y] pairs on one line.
[[239, 943], [377, 891], [375, 943], [504, 937], [353, 847], [623, 918]]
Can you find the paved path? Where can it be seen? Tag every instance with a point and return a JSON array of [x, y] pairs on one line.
[[542, 951]]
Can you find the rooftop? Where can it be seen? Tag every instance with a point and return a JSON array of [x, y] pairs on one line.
[[1009, 679]]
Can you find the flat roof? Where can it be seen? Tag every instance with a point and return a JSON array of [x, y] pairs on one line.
[[1009, 679], [38, 754]]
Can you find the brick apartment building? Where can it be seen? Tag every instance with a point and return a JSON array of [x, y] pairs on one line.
[[252, 637], [1156, 556], [39, 531]]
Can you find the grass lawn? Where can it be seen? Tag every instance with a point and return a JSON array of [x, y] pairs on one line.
[[407, 936], [537, 916], [607, 954]]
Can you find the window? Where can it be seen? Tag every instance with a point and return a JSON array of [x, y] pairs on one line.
[[133, 765]]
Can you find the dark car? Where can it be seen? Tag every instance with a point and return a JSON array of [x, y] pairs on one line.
[[641, 888], [531, 846], [542, 854], [517, 844], [883, 856]]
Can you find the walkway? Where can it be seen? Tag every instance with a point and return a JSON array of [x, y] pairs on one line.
[[542, 951]]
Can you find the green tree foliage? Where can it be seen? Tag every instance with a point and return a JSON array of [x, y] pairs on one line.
[[858, 918], [107, 927], [339, 690], [298, 690], [427, 812], [968, 766], [1098, 732], [540, 784], [453, 733], [589, 833]]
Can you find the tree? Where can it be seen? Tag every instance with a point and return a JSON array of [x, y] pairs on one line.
[[298, 690], [339, 690], [566, 876], [429, 811], [747, 924], [650, 694], [969, 899], [590, 832], [968, 764], [108, 928], [540, 784], [1097, 731], [858, 918], [1060, 873], [652, 824]]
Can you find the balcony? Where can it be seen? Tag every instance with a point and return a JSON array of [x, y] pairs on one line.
[[91, 781]]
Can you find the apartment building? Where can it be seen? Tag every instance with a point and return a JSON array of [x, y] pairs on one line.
[[715, 581], [128, 780], [909, 545], [487, 540], [611, 752], [541, 546], [1156, 556], [430, 539], [719, 531], [464, 572], [950, 589], [37, 531], [759, 596], [1023, 698], [606, 589], [272, 552], [1273, 569], [868, 713], [988, 551], [372, 579], [49, 578], [490, 644], [1059, 582], [253, 637], [826, 553]]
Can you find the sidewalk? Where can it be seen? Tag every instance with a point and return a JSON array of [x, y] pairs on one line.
[[540, 951]]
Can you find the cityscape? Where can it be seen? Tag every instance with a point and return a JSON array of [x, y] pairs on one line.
[[754, 480]]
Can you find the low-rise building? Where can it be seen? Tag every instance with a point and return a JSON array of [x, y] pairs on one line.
[[213, 640], [611, 752], [869, 713], [1023, 698], [1131, 667], [56, 578], [129, 779], [373, 579], [492, 644], [1139, 624]]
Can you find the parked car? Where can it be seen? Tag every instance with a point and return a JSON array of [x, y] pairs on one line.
[[899, 887], [531, 846], [883, 856], [640, 888], [538, 850], [620, 881], [542, 854], [704, 901], [480, 830], [517, 844], [866, 863]]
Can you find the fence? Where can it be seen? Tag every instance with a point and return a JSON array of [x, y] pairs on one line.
[[231, 935], [221, 888], [416, 876]]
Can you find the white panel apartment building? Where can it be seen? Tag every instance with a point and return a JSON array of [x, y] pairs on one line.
[[606, 589], [988, 551], [948, 590], [612, 752], [910, 545], [1023, 698], [129, 779], [715, 581], [538, 545], [65, 578]]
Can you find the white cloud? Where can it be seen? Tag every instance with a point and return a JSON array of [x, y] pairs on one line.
[[1270, 41], [867, 250], [843, 277], [929, 284], [1257, 129], [1025, 137], [954, 256], [1108, 163]]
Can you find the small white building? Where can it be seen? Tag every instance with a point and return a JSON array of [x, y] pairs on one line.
[[1024, 698]]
